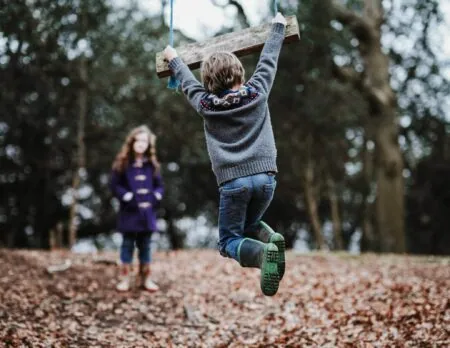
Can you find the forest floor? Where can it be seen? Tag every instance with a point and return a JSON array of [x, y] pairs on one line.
[[324, 300]]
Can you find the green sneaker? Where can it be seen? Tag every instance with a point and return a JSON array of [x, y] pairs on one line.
[[270, 279], [276, 238]]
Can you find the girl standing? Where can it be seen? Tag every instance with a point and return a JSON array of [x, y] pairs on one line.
[[136, 182]]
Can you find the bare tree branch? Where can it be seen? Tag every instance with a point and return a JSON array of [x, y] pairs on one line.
[[241, 13], [360, 26], [373, 12]]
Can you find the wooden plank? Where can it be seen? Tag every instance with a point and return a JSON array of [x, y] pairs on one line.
[[241, 43]]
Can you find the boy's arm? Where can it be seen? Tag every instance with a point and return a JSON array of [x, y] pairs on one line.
[[190, 86], [266, 68]]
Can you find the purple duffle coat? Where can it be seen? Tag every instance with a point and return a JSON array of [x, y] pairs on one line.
[[138, 214]]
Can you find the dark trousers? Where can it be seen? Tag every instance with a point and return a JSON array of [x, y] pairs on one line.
[[139, 240]]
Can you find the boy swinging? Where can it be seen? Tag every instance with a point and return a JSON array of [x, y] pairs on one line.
[[242, 150]]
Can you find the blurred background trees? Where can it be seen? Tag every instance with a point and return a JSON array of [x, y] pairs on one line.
[[359, 108]]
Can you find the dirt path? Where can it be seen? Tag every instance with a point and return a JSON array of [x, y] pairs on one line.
[[208, 301]]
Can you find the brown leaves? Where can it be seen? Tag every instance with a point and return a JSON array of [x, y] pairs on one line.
[[209, 301]]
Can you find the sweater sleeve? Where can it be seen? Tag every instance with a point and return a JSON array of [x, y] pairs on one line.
[[190, 86], [266, 68]]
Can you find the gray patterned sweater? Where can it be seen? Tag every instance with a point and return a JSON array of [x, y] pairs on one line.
[[238, 129]]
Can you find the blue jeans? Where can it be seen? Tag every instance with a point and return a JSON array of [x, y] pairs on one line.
[[243, 202], [139, 239]]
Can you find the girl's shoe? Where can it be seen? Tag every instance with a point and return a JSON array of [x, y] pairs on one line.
[[146, 282], [124, 283], [253, 253]]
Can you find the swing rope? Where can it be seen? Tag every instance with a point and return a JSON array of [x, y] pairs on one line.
[[171, 24], [275, 7], [173, 82]]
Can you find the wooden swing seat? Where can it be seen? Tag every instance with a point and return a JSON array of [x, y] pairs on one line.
[[241, 43]]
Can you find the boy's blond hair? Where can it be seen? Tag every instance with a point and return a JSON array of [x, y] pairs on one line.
[[222, 71]]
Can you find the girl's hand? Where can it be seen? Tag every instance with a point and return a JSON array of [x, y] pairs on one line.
[[128, 196], [279, 18], [170, 53]]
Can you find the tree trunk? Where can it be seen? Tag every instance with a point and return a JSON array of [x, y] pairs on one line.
[[335, 216], [311, 202], [369, 240], [59, 230], [52, 239], [10, 239], [390, 189], [81, 152], [42, 217], [176, 240], [389, 160], [382, 102], [56, 234]]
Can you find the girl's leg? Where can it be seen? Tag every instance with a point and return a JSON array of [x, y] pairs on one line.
[[143, 240], [143, 244], [126, 258], [127, 247]]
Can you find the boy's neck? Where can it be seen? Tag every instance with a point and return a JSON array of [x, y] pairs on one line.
[[232, 89]]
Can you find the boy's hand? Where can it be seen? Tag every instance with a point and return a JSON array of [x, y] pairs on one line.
[[170, 53], [279, 18]]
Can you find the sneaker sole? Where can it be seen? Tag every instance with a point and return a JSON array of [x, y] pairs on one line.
[[269, 270], [278, 240]]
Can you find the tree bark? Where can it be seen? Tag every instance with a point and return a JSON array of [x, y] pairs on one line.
[[310, 197], [81, 152], [390, 188], [389, 162], [369, 240], [335, 216], [176, 240], [56, 236], [10, 237]]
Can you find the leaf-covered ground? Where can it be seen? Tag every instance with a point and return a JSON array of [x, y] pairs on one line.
[[208, 301]]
